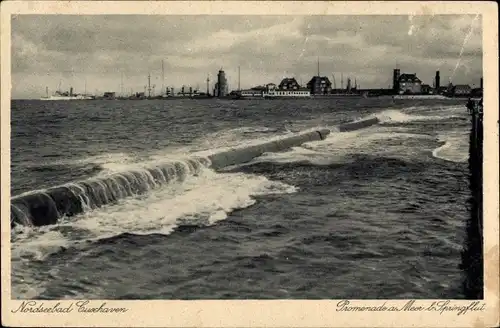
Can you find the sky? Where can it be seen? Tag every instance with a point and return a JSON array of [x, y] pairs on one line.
[[95, 53]]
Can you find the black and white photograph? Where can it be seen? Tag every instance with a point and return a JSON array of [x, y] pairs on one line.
[[247, 157]]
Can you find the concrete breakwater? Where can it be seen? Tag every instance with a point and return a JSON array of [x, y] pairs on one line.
[[45, 207], [472, 255], [351, 126], [48, 206]]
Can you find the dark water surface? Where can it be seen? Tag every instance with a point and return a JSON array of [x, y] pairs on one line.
[[373, 213]]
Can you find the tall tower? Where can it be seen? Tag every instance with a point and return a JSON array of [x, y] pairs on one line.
[[437, 80], [395, 80], [318, 66], [222, 83]]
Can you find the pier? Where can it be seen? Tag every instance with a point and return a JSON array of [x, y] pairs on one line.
[[472, 255]]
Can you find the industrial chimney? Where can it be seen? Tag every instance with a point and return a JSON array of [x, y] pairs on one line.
[[438, 80], [395, 80]]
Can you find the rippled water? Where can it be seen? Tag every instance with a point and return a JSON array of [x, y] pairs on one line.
[[373, 213]]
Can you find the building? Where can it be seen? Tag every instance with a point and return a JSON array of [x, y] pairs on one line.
[[442, 90], [476, 93], [170, 92], [289, 83], [109, 95], [461, 90], [257, 91], [409, 84], [221, 88], [273, 92], [426, 89], [319, 85]]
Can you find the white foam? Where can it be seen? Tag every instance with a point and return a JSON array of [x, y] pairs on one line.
[[209, 196], [398, 116], [204, 199], [337, 147], [36, 242], [455, 147]]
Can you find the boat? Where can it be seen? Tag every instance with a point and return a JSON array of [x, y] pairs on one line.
[[68, 95], [65, 96]]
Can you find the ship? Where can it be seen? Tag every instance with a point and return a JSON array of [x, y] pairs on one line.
[[68, 95]]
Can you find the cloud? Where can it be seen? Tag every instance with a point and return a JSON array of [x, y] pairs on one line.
[[100, 49]]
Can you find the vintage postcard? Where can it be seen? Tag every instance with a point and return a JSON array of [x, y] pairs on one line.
[[249, 164]]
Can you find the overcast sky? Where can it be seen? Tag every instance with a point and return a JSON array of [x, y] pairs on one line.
[[98, 50]]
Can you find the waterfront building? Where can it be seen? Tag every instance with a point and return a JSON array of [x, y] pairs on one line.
[[426, 89], [319, 85], [170, 92], [257, 91], [275, 92], [272, 91], [409, 84], [289, 83], [109, 95], [461, 90], [442, 90]]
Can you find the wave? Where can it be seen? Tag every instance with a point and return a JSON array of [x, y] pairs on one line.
[[339, 147], [398, 116], [203, 199], [200, 200], [43, 207], [454, 148]]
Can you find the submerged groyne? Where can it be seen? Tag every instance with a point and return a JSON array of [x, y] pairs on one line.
[[472, 254]]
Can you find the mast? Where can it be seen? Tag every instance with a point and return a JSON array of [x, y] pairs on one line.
[[318, 65], [238, 78], [121, 85], [162, 78], [208, 84], [342, 81], [47, 91], [149, 85], [334, 82], [85, 87]]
